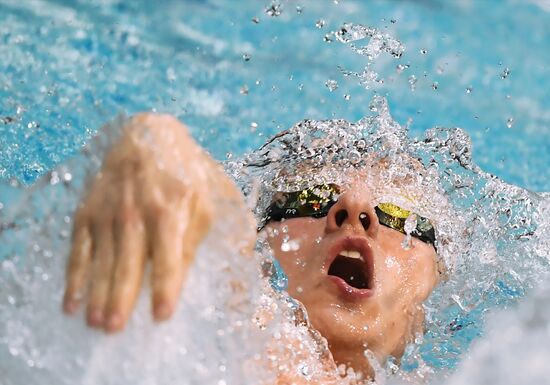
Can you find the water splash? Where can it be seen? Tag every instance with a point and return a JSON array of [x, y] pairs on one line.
[[378, 43], [492, 239], [491, 235]]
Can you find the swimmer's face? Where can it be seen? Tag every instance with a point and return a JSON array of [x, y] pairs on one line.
[[385, 310]]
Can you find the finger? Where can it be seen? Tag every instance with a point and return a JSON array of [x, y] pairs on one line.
[[169, 264], [78, 265], [102, 272], [174, 250], [128, 269], [168, 269]]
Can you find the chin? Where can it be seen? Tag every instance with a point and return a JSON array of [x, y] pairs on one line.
[[338, 323], [347, 338]]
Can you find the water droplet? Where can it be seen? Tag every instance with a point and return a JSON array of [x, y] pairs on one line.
[[347, 96], [331, 85], [258, 82], [423, 51], [328, 38], [412, 82], [274, 10], [354, 157], [299, 9], [170, 74], [54, 178], [406, 244], [320, 23], [255, 20], [285, 246], [300, 87], [229, 155], [253, 126], [509, 122], [246, 56], [469, 89], [505, 73], [7, 119], [435, 86], [244, 90], [402, 67]]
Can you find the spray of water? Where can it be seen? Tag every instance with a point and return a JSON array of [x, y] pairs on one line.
[[492, 240], [235, 323]]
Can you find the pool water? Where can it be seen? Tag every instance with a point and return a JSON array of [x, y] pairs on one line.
[[238, 72], [235, 74]]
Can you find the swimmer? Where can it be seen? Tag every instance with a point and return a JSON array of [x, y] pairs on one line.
[[153, 199]]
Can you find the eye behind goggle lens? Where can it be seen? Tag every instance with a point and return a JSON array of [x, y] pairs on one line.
[[394, 217], [317, 201]]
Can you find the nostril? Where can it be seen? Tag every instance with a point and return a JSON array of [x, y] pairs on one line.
[[365, 220], [340, 217]]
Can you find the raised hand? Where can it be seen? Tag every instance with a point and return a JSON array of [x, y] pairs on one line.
[[152, 198]]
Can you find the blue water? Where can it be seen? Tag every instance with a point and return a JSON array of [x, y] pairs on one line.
[[237, 75], [68, 66]]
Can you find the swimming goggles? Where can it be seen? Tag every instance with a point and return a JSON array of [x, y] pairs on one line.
[[316, 202]]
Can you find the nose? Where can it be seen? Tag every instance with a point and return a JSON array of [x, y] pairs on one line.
[[353, 212]]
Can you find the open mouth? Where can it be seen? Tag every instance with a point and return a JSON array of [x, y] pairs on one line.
[[351, 267]]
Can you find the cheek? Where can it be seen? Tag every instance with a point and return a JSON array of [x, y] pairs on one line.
[[295, 246], [410, 274], [420, 269]]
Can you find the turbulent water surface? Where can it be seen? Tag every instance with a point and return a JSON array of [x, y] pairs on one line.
[[238, 74]]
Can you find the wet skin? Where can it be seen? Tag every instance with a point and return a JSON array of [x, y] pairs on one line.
[[153, 200], [382, 317]]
